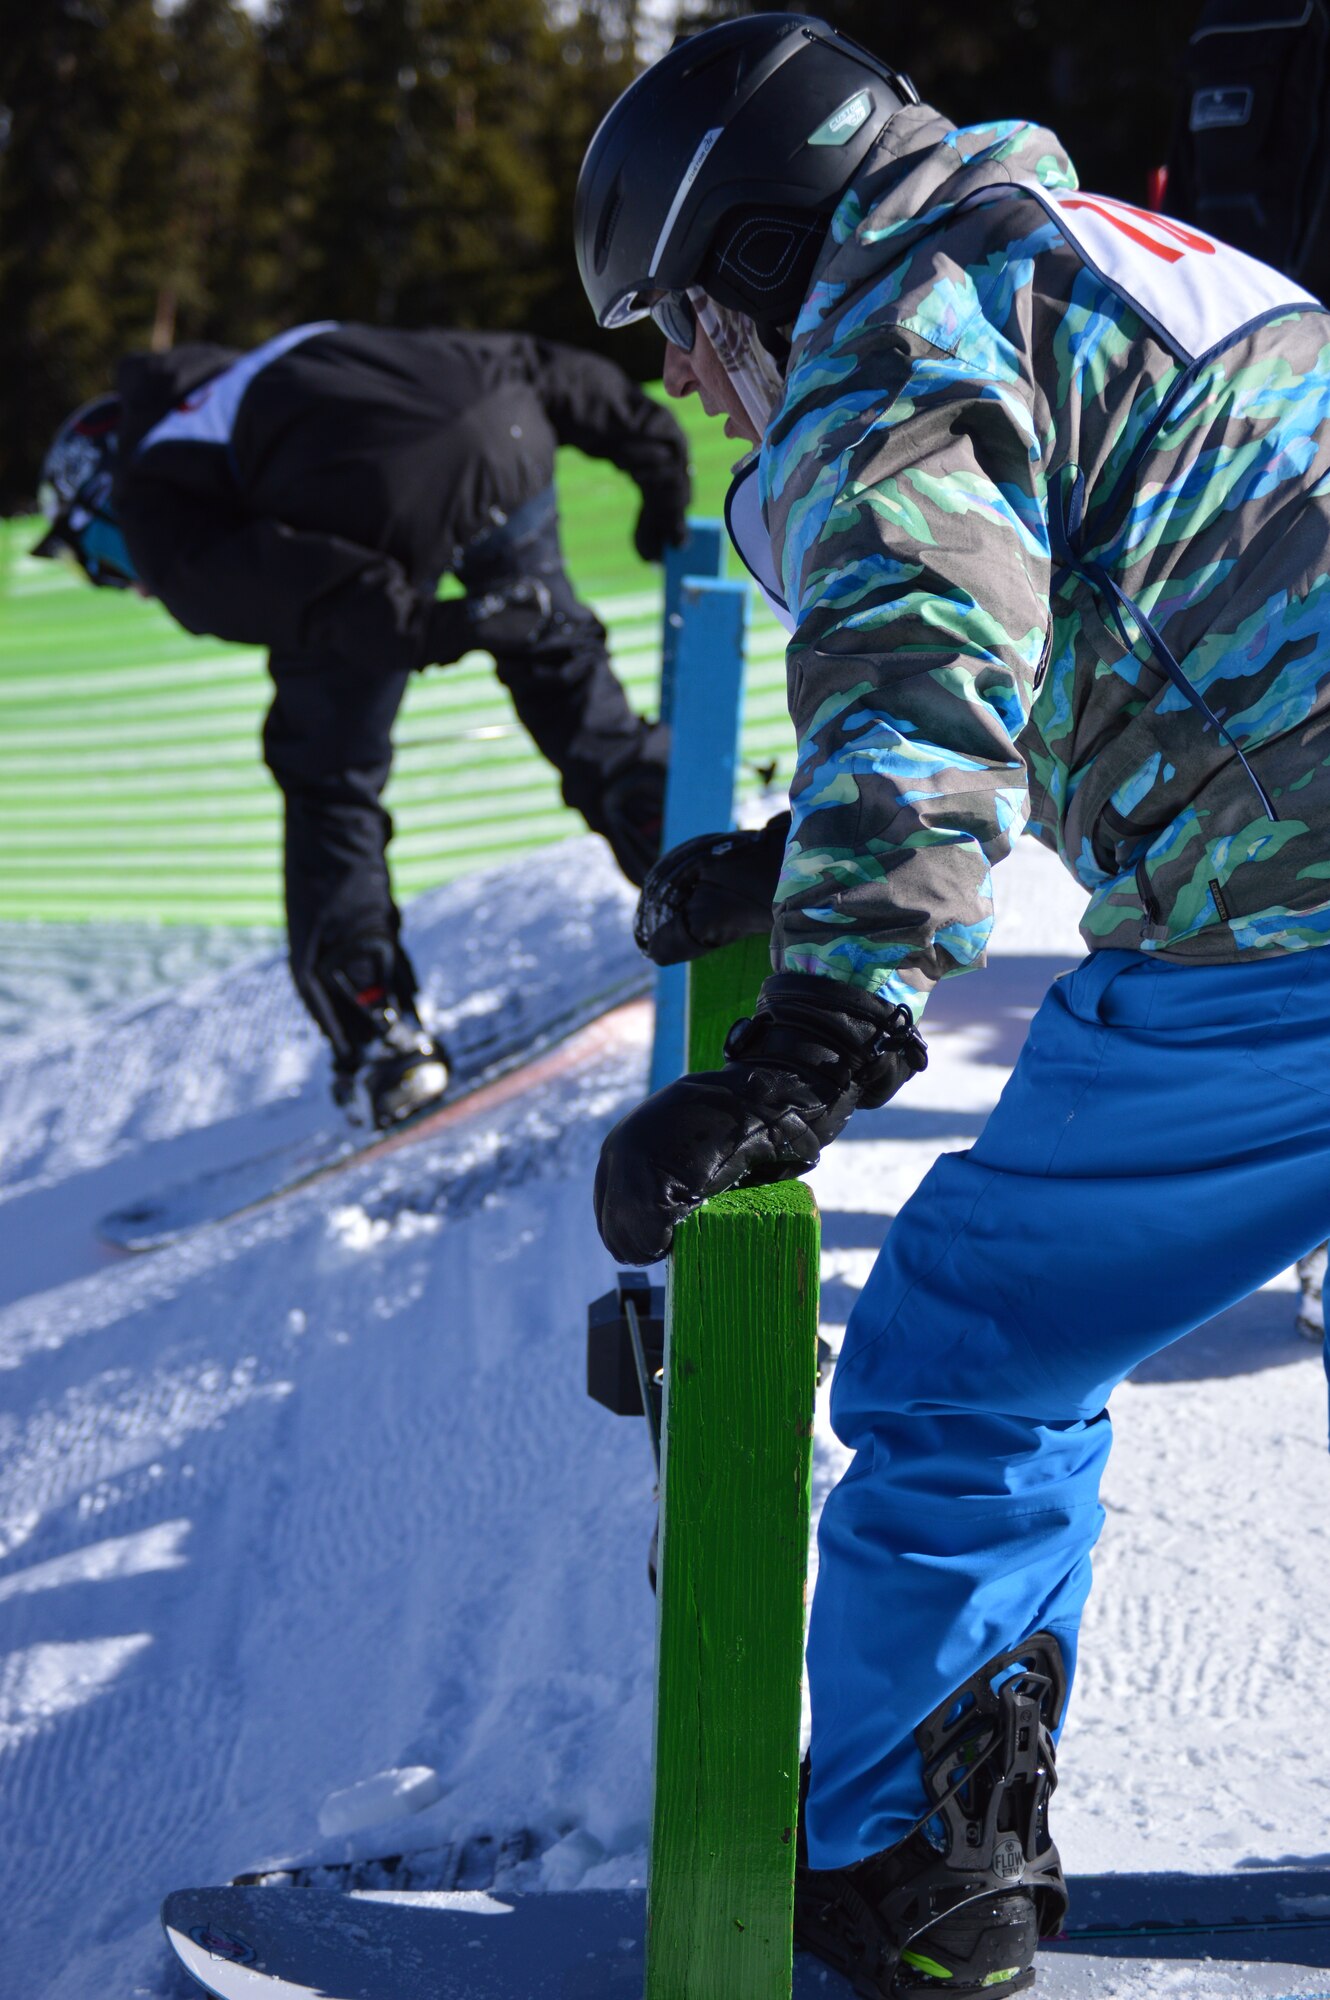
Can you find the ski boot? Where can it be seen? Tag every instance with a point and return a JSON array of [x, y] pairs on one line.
[[960, 1903]]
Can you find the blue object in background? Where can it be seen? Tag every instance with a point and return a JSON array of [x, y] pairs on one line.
[[701, 696], [703, 554]]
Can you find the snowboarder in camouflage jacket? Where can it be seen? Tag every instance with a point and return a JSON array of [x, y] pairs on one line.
[[1040, 492], [1103, 438]]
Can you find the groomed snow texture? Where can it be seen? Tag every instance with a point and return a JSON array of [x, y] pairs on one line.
[[317, 1497]]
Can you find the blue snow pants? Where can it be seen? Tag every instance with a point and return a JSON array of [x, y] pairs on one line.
[[1161, 1149]]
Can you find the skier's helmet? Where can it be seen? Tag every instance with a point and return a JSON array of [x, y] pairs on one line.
[[78, 474], [720, 168]]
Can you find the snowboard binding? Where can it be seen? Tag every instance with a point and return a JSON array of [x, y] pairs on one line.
[[397, 1073], [962, 1901], [387, 1067]]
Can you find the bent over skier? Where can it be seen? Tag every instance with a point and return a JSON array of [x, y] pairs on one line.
[[1041, 488], [307, 497]]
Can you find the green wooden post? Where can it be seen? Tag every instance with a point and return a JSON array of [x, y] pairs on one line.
[[721, 987], [740, 1371]]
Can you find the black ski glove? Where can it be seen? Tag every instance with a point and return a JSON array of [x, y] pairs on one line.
[[662, 523], [631, 814], [814, 1050], [709, 891], [505, 621]]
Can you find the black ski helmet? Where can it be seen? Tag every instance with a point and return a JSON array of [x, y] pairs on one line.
[[720, 167], [78, 474]]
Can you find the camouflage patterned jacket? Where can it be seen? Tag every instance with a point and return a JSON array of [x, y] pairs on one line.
[[1047, 498]]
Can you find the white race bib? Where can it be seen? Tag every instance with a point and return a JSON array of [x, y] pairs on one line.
[[207, 414], [1195, 291]]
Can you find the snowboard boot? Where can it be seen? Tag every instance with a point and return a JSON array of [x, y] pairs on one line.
[[397, 1073], [386, 1065], [960, 1903]]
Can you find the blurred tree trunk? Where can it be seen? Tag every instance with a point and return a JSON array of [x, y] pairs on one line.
[[214, 75]]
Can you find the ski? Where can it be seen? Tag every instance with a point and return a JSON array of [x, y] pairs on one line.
[[497, 1067]]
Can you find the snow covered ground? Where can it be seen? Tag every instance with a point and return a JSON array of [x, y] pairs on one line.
[[317, 1496], [52, 976]]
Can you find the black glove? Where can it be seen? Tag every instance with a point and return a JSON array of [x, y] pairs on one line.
[[662, 523], [815, 1049], [631, 814], [505, 621], [709, 891]]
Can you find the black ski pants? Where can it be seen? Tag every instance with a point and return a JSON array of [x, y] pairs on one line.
[[328, 742]]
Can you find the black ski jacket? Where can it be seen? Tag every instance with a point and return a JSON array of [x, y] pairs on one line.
[[307, 496]]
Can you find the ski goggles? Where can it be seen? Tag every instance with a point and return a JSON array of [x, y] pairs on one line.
[[93, 544], [672, 311], [104, 555], [85, 533], [674, 314]]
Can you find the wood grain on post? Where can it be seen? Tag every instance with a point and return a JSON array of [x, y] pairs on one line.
[[721, 987], [741, 1361]]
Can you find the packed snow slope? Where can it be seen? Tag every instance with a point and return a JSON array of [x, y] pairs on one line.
[[311, 1543]]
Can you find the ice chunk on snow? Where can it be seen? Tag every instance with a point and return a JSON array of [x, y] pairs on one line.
[[387, 1795], [563, 1865]]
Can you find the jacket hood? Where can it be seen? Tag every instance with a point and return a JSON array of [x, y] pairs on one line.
[[919, 173], [151, 384]]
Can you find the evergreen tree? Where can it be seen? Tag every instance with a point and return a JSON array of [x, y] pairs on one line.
[[85, 202], [180, 172], [409, 140], [1105, 79], [597, 60], [476, 203], [317, 195]]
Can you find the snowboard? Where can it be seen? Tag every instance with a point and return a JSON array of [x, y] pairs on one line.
[[1270, 1915], [510, 1059], [1269, 1928], [295, 1944]]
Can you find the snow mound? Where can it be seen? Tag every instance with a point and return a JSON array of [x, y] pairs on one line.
[[229, 1067]]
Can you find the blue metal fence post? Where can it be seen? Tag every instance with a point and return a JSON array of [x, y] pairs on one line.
[[703, 554], [705, 712]]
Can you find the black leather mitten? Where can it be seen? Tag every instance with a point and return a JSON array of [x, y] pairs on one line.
[[814, 1050], [710, 891]]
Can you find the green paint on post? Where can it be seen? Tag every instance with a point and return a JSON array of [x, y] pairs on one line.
[[741, 1366], [721, 987]]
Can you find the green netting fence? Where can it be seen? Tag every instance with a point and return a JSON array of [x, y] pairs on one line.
[[131, 778]]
